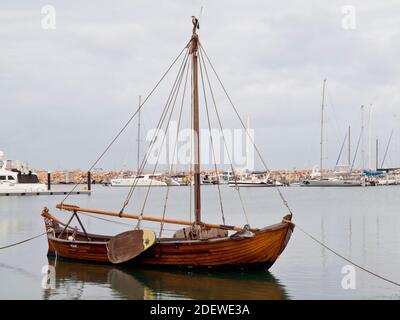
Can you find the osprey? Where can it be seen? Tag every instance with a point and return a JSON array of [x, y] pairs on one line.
[[196, 24]]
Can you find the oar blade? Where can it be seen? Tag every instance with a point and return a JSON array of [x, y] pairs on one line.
[[128, 245]]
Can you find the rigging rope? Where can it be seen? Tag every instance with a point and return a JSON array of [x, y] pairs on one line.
[[125, 125], [23, 241], [211, 141], [174, 97], [223, 139], [387, 148], [174, 150], [154, 138], [286, 204], [355, 153], [341, 149], [343, 257]]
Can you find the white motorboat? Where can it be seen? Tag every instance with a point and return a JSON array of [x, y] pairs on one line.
[[146, 180], [17, 178], [254, 181]]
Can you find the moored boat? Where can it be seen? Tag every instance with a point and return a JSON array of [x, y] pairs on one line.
[[331, 182], [140, 181], [254, 248], [18, 179]]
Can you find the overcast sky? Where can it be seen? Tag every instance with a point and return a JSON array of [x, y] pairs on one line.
[[65, 92]]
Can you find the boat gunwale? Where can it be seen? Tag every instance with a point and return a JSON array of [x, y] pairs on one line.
[[162, 241]]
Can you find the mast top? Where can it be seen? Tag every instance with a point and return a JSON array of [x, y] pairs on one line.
[[196, 24], [193, 44]]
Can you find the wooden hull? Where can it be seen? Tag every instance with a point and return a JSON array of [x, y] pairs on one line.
[[259, 251]]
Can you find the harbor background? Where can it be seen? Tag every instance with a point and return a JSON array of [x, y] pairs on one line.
[[105, 176]]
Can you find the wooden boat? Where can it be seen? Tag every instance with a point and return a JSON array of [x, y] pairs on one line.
[[259, 251], [198, 245]]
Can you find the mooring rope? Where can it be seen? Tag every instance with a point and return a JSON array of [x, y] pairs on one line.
[[343, 257], [23, 241]]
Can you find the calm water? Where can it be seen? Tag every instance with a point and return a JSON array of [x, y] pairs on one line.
[[361, 223]]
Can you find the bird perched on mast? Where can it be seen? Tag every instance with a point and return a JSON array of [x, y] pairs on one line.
[[196, 24]]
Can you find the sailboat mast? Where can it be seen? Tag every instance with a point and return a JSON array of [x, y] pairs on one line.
[[322, 127], [194, 53], [362, 139], [369, 138], [138, 141], [349, 146], [376, 154]]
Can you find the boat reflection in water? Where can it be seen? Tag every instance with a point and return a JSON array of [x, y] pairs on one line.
[[72, 280]]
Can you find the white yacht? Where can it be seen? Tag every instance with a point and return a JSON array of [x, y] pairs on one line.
[[17, 178], [255, 180], [336, 179], [145, 180], [332, 182]]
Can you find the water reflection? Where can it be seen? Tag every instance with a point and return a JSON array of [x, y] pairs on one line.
[[72, 277], [350, 236]]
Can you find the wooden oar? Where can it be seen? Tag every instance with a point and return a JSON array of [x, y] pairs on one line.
[[69, 207], [129, 244]]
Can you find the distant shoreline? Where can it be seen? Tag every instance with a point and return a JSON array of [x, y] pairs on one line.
[[105, 176]]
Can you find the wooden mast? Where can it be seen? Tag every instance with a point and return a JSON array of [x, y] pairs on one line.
[[138, 134], [194, 53], [349, 146]]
